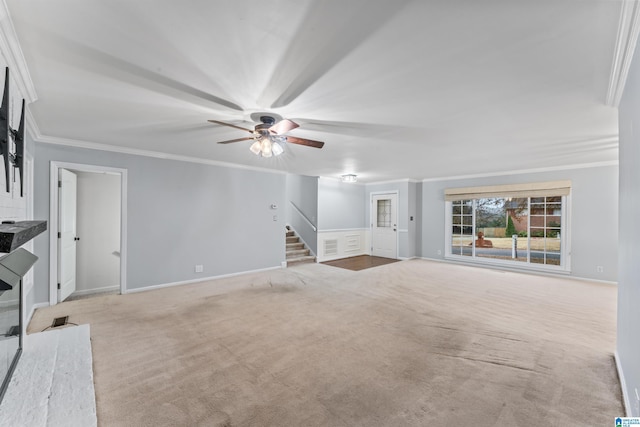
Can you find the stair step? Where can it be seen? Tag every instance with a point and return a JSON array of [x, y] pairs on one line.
[[297, 252], [293, 239], [300, 260], [293, 246], [290, 233]]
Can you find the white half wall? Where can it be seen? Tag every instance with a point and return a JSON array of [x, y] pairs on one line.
[[336, 244]]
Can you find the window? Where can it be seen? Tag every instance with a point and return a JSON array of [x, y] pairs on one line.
[[504, 225], [384, 213]]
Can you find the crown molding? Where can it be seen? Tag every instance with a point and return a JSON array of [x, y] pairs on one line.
[[628, 30], [393, 181], [523, 171], [12, 52], [147, 153]]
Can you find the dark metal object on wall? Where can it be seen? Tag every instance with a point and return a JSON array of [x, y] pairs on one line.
[[5, 129], [6, 132], [18, 158]]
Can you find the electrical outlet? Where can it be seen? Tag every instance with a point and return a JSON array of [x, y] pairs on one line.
[[439, 252], [275, 217], [199, 268], [600, 269]]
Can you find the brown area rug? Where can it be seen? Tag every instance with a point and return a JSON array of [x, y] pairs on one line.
[[361, 262], [411, 343]]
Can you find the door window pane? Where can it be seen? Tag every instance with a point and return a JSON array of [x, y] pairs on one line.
[[384, 213]]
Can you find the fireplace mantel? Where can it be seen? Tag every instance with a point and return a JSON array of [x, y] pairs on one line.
[[14, 264], [14, 235]]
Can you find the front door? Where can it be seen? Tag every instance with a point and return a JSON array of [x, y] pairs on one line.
[[67, 239], [384, 230]]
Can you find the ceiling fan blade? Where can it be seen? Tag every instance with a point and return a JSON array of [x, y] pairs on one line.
[[307, 142], [230, 125], [236, 140], [283, 126]]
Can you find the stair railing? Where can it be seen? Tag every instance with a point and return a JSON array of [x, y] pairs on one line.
[[303, 216]]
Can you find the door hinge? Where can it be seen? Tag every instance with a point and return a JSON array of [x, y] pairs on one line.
[[58, 285], [59, 234], [59, 184]]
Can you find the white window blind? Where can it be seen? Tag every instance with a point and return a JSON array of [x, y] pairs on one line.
[[533, 189]]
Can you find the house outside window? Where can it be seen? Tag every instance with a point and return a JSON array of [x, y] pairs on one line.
[[523, 226]]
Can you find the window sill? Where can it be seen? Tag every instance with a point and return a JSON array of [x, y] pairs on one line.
[[509, 265]]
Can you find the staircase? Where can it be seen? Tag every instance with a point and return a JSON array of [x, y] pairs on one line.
[[296, 252]]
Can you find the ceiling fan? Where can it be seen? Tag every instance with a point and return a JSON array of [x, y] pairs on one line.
[[268, 136]]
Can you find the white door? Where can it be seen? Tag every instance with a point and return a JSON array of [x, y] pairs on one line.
[[384, 230], [68, 239]]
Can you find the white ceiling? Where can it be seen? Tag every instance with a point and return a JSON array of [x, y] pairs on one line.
[[396, 89]]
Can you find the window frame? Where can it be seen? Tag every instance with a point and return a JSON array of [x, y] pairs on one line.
[[565, 242]]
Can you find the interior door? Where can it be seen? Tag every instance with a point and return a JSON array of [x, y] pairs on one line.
[[384, 233], [68, 239]]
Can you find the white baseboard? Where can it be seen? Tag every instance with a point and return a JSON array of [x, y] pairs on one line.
[[204, 279], [34, 307], [559, 274], [95, 291], [623, 385]]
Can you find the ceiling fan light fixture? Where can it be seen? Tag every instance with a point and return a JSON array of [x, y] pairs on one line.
[[349, 178], [276, 148], [256, 148], [267, 150]]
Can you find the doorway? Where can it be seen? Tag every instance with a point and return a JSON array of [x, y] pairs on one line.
[[384, 225], [88, 231]]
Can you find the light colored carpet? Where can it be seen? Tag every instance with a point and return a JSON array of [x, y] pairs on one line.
[[411, 343]]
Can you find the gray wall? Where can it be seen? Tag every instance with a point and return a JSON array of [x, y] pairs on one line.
[[594, 221], [341, 205], [628, 344], [179, 214], [302, 191], [407, 236]]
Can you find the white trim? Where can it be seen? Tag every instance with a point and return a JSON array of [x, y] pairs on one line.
[[83, 292], [146, 153], [394, 181], [192, 281], [623, 386], [556, 274], [10, 47], [34, 307], [628, 30], [28, 280], [53, 221], [340, 230], [524, 171]]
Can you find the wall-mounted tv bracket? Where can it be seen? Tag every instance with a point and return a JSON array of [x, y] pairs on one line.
[[16, 159], [4, 127]]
